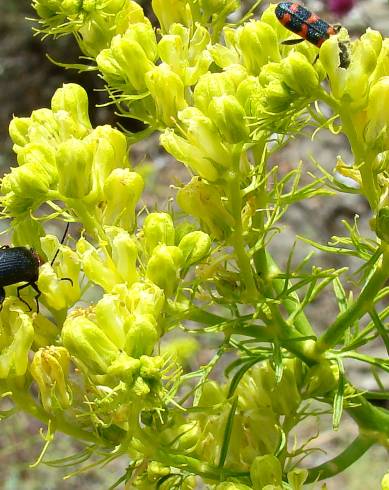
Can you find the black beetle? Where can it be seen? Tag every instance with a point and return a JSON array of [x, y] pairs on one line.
[[21, 264]]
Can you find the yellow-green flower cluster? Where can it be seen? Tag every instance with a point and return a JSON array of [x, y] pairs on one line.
[[93, 22], [363, 88], [61, 157], [262, 401]]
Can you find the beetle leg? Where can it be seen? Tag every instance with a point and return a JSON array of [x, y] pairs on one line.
[[291, 42], [38, 293], [67, 279], [19, 288], [3, 247], [2, 297]]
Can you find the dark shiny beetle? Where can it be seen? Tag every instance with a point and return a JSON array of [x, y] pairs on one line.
[[19, 264]]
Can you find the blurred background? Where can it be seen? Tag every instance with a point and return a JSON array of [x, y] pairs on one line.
[[28, 80]]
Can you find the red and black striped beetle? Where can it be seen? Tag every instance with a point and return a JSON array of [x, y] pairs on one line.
[[309, 27]]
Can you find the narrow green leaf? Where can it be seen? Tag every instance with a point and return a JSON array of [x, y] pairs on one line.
[[338, 398], [227, 433]]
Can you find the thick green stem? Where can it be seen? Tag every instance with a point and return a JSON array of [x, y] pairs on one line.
[[372, 420], [357, 309], [345, 459]]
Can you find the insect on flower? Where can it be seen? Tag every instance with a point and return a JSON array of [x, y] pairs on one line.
[[21, 264], [309, 27]]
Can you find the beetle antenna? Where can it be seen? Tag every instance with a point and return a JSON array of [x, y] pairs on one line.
[[61, 242]]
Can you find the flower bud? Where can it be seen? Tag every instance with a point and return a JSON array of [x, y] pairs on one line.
[[259, 44], [59, 283], [39, 154], [188, 58], [73, 99], [145, 298], [124, 253], [230, 119], [109, 151], [182, 229], [381, 224], [329, 58], [195, 246], [377, 129], [158, 229], [297, 477], [189, 154], [248, 91], [45, 331], [211, 394], [122, 190], [15, 346], [382, 66], [18, 131], [125, 367], [321, 378], [204, 134], [30, 180], [213, 85], [163, 267], [43, 127], [50, 369], [276, 98], [204, 201], [167, 90], [132, 61], [299, 74], [142, 335], [151, 367], [111, 315], [98, 267], [88, 343], [170, 12], [265, 470], [140, 388], [26, 230], [125, 63], [223, 56], [156, 470], [143, 33], [74, 162]]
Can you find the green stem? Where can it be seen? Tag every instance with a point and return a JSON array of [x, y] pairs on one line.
[[90, 223], [236, 239], [345, 459], [374, 421], [363, 159], [198, 467], [300, 322], [357, 309]]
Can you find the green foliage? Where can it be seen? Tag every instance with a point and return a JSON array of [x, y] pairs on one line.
[[225, 97]]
